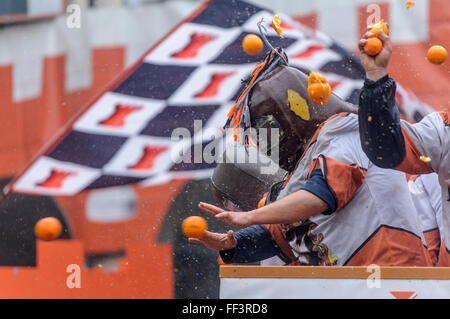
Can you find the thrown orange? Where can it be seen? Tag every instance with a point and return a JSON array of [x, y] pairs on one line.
[[48, 228], [252, 44], [410, 4], [437, 54], [276, 25], [194, 227], [319, 90]]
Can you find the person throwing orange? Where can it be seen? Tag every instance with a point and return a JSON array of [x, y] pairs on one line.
[[389, 142]]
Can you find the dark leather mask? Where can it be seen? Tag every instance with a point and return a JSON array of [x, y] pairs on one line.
[[280, 100]]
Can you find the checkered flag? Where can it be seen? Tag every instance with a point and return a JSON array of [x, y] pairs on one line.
[[192, 76]]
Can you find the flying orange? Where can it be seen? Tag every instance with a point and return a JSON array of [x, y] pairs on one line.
[[410, 4], [437, 54], [194, 226], [276, 25], [319, 90], [48, 228], [252, 44]]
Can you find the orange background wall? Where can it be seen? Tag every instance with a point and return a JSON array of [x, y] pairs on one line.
[[146, 272]]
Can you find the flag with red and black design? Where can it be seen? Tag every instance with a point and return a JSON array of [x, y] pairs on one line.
[[193, 75]]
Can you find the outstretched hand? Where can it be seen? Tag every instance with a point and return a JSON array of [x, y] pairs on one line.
[[237, 219], [376, 66], [216, 241]]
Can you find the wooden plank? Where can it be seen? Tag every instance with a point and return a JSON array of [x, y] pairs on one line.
[[333, 272]]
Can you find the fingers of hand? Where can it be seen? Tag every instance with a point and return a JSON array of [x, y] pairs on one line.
[[194, 240], [211, 209], [383, 36], [385, 39], [361, 44], [368, 35], [223, 216], [230, 235]]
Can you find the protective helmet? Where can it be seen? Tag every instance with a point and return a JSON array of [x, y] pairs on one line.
[[276, 97], [280, 99], [238, 182]]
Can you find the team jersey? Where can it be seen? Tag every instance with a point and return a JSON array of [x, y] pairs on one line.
[[272, 261], [419, 148], [426, 195], [375, 221], [428, 150]]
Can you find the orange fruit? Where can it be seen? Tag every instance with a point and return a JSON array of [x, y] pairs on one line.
[[377, 27], [276, 25], [437, 54], [410, 4], [194, 226], [319, 90], [373, 46], [252, 44], [48, 228]]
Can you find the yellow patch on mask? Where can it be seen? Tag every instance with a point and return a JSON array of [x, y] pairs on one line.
[[298, 105]]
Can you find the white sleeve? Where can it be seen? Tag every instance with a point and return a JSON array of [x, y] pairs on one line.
[[426, 195], [428, 138]]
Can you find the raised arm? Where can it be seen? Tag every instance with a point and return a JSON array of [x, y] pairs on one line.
[[387, 141], [379, 121]]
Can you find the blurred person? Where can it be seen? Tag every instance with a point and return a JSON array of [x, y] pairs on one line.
[[426, 194], [389, 142], [332, 207]]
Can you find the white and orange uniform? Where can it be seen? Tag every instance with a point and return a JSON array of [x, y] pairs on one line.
[[428, 150], [419, 148], [426, 195], [375, 221]]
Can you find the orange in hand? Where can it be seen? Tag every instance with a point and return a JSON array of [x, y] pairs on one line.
[[252, 44], [380, 26], [319, 90], [48, 228], [373, 46], [437, 54], [194, 227]]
